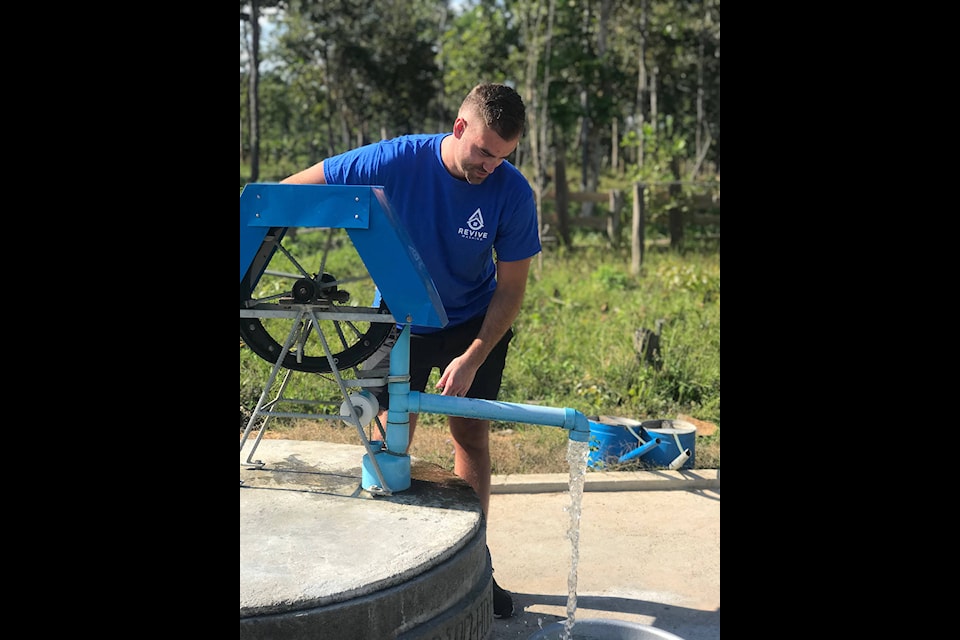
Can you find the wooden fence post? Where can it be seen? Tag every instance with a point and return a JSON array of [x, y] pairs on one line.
[[613, 220], [637, 226]]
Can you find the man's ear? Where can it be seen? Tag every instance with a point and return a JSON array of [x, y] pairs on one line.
[[459, 125]]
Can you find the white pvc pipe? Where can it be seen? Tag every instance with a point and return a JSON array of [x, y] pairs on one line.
[[679, 460]]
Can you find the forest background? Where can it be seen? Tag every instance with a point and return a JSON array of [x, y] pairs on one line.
[[618, 92]]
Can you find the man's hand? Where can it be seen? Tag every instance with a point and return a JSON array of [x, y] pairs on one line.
[[457, 378]]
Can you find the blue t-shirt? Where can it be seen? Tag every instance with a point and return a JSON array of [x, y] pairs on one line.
[[455, 226]]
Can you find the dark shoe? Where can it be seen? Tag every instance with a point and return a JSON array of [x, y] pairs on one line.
[[502, 602]]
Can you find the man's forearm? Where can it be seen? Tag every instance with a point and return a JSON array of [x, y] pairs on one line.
[[503, 310]]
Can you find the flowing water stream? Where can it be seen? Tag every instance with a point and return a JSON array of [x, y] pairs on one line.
[[577, 453]]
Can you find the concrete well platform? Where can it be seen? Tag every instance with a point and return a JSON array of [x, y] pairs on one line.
[[321, 558]]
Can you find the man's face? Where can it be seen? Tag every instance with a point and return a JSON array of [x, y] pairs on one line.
[[480, 149]]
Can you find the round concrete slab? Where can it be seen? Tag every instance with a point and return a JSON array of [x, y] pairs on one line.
[[320, 557]]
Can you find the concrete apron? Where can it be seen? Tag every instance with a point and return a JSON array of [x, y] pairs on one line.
[[319, 557]]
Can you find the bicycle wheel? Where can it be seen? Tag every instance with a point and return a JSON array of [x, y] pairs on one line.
[[310, 270]]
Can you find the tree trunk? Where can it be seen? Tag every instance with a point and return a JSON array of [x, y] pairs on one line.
[[537, 88], [676, 215], [699, 144], [615, 147], [563, 198], [588, 172], [641, 81], [254, 89]]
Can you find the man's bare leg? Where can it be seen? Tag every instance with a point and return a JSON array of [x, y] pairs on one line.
[[471, 445]]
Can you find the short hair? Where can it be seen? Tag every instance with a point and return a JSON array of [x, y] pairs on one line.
[[501, 108]]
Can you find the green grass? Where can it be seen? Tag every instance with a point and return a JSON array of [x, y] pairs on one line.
[[575, 335]]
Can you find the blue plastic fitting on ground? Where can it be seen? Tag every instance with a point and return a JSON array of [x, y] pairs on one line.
[[639, 451], [396, 470]]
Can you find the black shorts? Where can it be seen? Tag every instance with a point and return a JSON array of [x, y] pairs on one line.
[[436, 350]]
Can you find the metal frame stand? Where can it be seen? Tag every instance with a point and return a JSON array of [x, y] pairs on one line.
[[301, 313]]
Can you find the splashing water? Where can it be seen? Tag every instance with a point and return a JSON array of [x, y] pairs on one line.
[[577, 453]]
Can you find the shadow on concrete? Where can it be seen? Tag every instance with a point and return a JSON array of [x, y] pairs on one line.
[[690, 624]]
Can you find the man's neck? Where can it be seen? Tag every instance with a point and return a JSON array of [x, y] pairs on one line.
[[446, 155]]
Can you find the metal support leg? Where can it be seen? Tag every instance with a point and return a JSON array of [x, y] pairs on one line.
[[265, 409]]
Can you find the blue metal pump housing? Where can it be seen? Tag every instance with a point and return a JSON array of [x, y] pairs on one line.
[[383, 244], [395, 265]]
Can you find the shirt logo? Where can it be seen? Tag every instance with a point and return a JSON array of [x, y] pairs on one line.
[[474, 227], [476, 221]]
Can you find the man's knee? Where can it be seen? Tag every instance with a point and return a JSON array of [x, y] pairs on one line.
[[470, 433]]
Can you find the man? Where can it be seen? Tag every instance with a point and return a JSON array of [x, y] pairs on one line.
[[472, 217]]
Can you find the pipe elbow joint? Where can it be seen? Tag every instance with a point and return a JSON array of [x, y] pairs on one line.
[[578, 425]]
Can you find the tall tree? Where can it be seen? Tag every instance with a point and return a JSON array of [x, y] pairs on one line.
[[253, 82], [250, 12], [350, 71], [480, 46], [536, 32], [372, 64]]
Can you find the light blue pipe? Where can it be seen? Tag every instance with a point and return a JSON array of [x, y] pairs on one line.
[[569, 419], [394, 462], [639, 451], [398, 418]]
